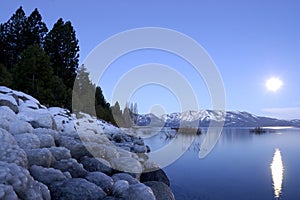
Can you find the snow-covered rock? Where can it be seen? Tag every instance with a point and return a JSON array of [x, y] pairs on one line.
[[76, 156], [22, 183], [9, 101], [10, 152], [27, 141], [38, 118], [19, 127]]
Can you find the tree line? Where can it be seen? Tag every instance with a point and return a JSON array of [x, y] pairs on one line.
[[45, 63]]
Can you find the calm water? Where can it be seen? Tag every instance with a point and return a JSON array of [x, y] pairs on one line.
[[239, 167]]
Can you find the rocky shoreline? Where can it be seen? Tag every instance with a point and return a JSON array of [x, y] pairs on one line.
[[50, 153]]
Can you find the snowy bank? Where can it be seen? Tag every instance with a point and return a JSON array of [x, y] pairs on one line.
[[50, 153]]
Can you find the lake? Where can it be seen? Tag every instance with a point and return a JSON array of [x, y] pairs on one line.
[[241, 166]]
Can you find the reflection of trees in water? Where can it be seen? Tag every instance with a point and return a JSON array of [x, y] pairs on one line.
[[186, 138]]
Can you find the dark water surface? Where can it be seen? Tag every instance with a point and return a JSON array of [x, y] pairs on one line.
[[239, 167]]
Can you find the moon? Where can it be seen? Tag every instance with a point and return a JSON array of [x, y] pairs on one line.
[[273, 84]]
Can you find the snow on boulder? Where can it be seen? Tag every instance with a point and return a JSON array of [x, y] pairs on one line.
[[19, 127], [7, 113], [64, 120], [9, 101], [10, 152], [38, 119], [27, 141], [25, 97], [46, 131], [5, 90], [22, 182]]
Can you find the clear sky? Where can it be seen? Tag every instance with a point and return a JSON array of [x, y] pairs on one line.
[[249, 41]]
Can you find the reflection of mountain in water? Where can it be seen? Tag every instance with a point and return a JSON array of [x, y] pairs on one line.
[[204, 117]]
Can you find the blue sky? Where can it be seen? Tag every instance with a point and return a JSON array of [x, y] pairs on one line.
[[249, 41]]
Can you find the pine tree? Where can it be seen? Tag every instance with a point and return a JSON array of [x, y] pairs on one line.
[[12, 39], [83, 93], [35, 29], [103, 110], [117, 114], [5, 76], [61, 45], [33, 74]]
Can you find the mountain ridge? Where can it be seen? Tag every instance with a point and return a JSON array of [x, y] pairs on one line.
[[202, 118]]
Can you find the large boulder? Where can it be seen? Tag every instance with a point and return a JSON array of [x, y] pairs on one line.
[[77, 148], [101, 180], [97, 164], [46, 175], [76, 189], [7, 192], [9, 101], [46, 140], [60, 153], [38, 118], [126, 177], [22, 183], [10, 152], [157, 175], [19, 127], [72, 166], [27, 141], [46, 131], [120, 187], [137, 191], [41, 157], [160, 190], [7, 114]]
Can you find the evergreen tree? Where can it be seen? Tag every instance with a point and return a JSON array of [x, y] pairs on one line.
[[5, 76], [33, 74], [103, 110], [83, 93], [12, 39], [117, 114], [35, 29], [127, 117], [61, 45]]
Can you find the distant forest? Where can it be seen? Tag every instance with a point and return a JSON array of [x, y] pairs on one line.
[[45, 63]]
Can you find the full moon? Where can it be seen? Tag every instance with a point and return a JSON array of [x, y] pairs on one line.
[[273, 84]]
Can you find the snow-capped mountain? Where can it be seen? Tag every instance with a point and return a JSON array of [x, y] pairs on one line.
[[203, 118]]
